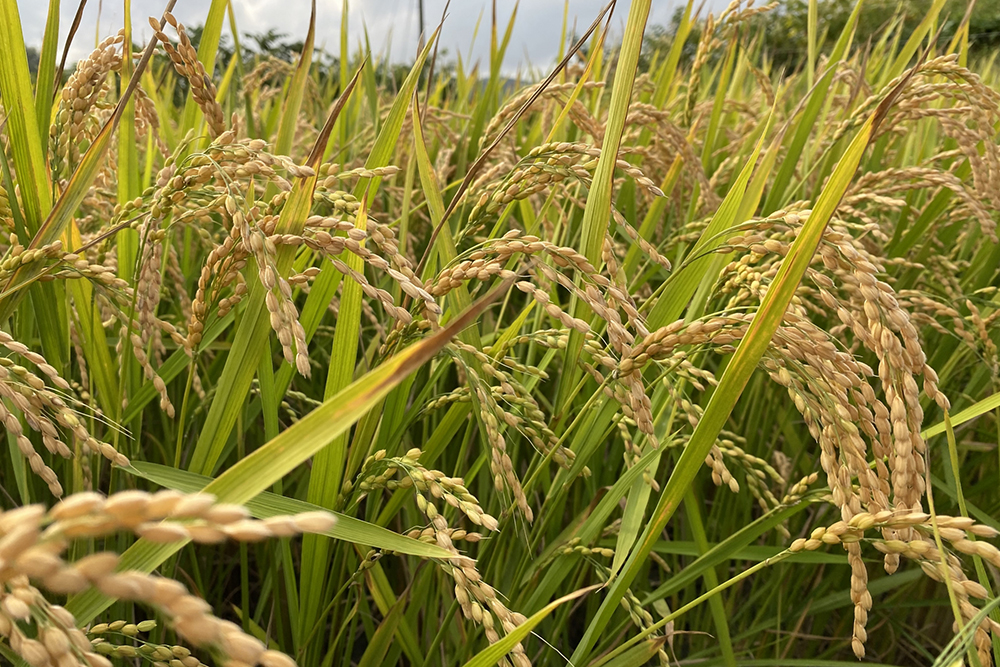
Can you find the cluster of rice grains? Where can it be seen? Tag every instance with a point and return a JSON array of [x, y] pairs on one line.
[[39, 400], [871, 447], [478, 600], [33, 542], [914, 536]]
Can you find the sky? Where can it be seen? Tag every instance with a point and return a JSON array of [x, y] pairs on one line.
[[392, 23]]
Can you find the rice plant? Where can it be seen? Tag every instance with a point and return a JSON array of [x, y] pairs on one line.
[[479, 342]]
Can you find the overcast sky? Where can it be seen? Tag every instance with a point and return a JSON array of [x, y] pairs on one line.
[[535, 40]]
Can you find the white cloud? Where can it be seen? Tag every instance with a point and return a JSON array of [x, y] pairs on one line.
[[391, 24]]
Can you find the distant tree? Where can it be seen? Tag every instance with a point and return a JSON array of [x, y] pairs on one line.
[[984, 26], [784, 30], [33, 57], [274, 43]]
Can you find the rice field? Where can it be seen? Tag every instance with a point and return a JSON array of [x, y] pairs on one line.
[[670, 356]]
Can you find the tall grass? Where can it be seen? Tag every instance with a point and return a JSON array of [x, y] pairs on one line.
[[663, 359]]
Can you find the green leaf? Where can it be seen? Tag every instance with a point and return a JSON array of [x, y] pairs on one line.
[[597, 213], [811, 25], [905, 55], [982, 407], [735, 547], [491, 655], [721, 89], [638, 655], [668, 70], [45, 78], [587, 531], [296, 91], [22, 123], [267, 504], [380, 642], [631, 524]]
